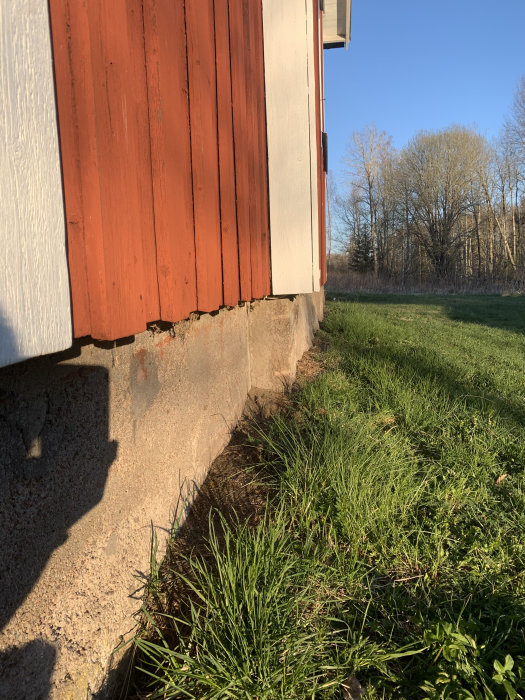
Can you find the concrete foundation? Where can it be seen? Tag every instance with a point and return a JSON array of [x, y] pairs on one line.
[[97, 447]]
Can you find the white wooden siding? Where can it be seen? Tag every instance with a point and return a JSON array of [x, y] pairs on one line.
[[292, 162], [35, 315], [314, 201]]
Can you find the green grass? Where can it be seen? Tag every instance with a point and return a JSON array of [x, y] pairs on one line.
[[394, 548]]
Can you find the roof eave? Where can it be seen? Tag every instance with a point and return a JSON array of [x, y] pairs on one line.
[[336, 23]]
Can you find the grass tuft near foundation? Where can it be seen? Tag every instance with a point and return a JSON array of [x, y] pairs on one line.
[[392, 549]]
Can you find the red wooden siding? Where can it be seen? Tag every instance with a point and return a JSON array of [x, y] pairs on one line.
[[230, 252], [240, 140], [205, 152], [102, 107], [165, 44], [251, 130], [261, 232], [161, 119]]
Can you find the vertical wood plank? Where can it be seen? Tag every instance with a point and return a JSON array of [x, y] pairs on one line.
[[80, 162], [240, 133], [251, 139], [204, 152], [121, 117], [71, 171], [107, 146], [262, 152], [230, 251], [166, 64], [259, 242]]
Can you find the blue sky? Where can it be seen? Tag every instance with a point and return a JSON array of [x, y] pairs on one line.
[[422, 64]]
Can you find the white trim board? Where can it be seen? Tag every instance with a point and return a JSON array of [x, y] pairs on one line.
[[292, 153]]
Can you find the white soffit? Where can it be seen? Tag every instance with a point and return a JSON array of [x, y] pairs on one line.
[[35, 312], [337, 23]]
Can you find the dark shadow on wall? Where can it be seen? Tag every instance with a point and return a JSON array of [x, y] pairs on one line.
[[37, 660], [54, 460]]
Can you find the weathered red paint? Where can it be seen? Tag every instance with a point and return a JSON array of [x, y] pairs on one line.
[[141, 357], [240, 134], [262, 152], [254, 75], [67, 109], [163, 142], [251, 142], [230, 251], [166, 63], [74, 87], [124, 167], [204, 152], [103, 87]]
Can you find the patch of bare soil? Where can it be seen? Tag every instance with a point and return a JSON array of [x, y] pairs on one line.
[[310, 365]]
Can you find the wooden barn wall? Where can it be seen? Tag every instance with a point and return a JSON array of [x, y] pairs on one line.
[[161, 111]]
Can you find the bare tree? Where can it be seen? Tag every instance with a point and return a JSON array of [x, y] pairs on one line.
[[436, 171], [447, 207], [365, 154], [515, 126]]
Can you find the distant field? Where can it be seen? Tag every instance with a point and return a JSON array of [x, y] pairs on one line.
[[393, 549]]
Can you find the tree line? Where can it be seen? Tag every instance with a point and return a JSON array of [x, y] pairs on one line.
[[449, 206]]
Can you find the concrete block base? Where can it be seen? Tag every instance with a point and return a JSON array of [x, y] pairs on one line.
[[99, 445]]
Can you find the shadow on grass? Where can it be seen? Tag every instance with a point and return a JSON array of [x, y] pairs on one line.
[[480, 392], [402, 612], [400, 616], [411, 363], [507, 313]]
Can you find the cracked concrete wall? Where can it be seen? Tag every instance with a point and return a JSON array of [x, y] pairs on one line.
[[99, 444]]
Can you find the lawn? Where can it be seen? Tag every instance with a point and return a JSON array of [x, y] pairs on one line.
[[391, 553]]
